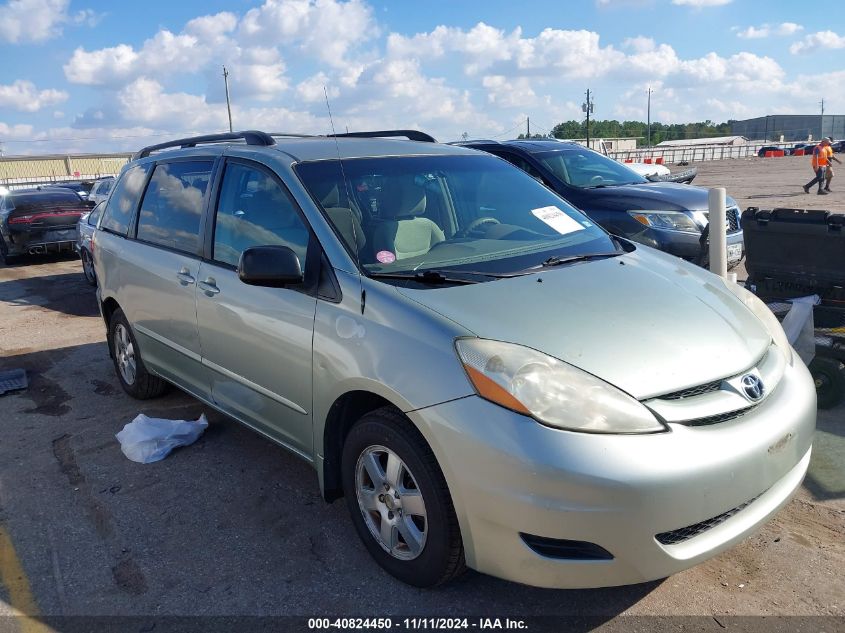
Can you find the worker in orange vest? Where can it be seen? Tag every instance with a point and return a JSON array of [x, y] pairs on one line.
[[822, 153], [828, 174]]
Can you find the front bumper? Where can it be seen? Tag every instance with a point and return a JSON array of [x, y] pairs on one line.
[[509, 475], [688, 245]]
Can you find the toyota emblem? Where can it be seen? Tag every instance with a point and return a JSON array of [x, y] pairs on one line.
[[752, 386]]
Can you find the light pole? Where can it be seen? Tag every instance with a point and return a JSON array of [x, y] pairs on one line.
[[228, 105], [648, 108], [587, 107]]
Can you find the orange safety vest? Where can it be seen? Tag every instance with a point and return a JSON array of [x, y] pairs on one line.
[[820, 156]]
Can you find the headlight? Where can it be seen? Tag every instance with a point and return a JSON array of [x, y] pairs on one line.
[[762, 312], [551, 391], [666, 220]]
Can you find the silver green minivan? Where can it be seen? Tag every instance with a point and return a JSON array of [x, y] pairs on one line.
[[489, 379]]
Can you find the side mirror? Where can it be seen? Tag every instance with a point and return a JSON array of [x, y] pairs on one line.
[[90, 203], [271, 266]]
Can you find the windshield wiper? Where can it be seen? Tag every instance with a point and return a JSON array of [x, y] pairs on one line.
[[432, 277], [554, 260], [445, 276]]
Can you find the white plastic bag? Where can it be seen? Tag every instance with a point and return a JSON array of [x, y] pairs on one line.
[[146, 440], [798, 326]]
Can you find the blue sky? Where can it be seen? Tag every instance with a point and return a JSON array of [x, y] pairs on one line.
[[105, 76]]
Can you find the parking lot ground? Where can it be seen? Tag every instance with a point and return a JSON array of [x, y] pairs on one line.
[[771, 182], [234, 525]]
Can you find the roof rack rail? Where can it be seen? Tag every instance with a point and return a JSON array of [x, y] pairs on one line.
[[252, 137], [475, 140], [291, 134], [411, 135]]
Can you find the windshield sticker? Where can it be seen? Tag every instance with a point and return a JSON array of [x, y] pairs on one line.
[[385, 257], [557, 219]]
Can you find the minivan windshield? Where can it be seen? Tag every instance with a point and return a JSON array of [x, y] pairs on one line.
[[586, 169], [470, 213]]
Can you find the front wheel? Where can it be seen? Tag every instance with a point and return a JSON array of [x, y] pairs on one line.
[[131, 372], [399, 501]]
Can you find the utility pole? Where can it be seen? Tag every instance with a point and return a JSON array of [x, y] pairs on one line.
[[821, 121], [587, 107], [228, 105], [648, 109], [528, 127]]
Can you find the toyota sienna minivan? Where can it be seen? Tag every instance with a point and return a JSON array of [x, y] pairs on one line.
[[486, 377]]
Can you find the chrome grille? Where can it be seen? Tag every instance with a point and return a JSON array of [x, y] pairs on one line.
[[733, 219], [685, 533], [716, 419], [693, 391]]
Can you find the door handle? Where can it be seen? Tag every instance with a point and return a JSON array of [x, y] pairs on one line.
[[185, 277], [209, 286]]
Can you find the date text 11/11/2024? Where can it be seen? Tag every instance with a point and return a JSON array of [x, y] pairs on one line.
[[430, 624]]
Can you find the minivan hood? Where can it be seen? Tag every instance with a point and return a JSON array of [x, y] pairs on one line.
[[663, 196], [645, 322]]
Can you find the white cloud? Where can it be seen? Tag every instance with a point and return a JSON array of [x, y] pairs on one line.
[[24, 96], [13, 132], [311, 90], [784, 29], [325, 29], [509, 93], [38, 20], [145, 101], [101, 67], [824, 40]]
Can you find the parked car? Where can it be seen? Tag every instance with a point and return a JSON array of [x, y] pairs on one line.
[[81, 187], [36, 221], [663, 215], [769, 148], [838, 146], [85, 243], [806, 147], [100, 190], [487, 376]]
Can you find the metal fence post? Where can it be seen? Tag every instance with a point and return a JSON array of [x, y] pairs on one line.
[[717, 201]]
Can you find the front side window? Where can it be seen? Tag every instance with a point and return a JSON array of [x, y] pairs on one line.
[[124, 201], [586, 169], [418, 213], [172, 207], [255, 210]]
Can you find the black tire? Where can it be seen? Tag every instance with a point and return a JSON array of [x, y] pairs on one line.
[[88, 267], [442, 556], [8, 260], [144, 386], [829, 376]]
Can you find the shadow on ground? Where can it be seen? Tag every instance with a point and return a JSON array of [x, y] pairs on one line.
[[230, 525]]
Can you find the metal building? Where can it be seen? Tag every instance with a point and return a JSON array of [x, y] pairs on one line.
[[17, 171], [791, 127]]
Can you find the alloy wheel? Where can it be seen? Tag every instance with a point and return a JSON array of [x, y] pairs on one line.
[[125, 354], [391, 502]]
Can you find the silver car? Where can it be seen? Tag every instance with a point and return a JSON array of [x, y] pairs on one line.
[[84, 242], [101, 189], [487, 377]]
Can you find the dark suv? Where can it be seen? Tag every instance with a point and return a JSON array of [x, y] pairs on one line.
[[664, 215], [41, 220]]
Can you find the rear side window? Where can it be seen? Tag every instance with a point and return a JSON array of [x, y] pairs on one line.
[[255, 210], [172, 207], [124, 200]]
